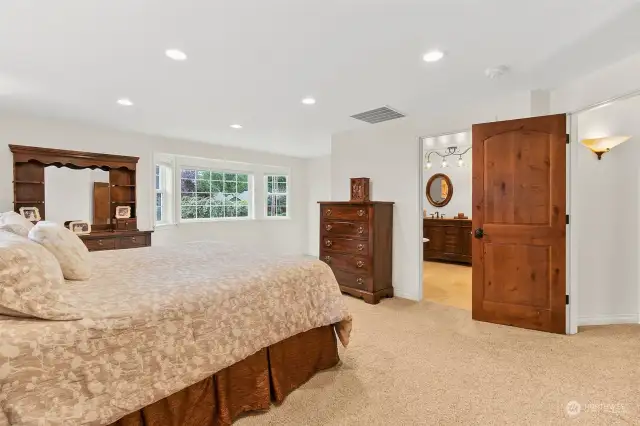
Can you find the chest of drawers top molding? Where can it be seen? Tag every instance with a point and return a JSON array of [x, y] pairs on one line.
[[356, 242]]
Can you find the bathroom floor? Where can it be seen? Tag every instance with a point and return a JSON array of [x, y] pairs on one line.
[[447, 284]]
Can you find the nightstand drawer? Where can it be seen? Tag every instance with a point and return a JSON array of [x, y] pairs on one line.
[[359, 213], [133, 241], [100, 244], [346, 263], [346, 229], [346, 245]]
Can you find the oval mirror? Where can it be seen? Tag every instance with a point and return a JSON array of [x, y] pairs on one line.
[[439, 190]]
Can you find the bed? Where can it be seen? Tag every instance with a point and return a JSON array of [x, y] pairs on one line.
[[173, 327]]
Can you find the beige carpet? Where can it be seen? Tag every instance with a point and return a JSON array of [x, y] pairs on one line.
[[428, 364], [447, 283]]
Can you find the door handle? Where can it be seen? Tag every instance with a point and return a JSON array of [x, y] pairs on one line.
[[479, 233]]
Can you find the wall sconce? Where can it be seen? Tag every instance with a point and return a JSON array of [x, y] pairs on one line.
[[599, 146]]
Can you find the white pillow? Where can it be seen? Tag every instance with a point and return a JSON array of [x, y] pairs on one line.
[[30, 278], [70, 251], [13, 218], [15, 228]]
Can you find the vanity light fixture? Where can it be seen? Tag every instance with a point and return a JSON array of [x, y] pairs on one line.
[[236, 126], [600, 146], [125, 102], [452, 150], [309, 101]]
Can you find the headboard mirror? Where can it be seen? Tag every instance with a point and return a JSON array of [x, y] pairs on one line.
[[74, 185], [439, 190], [77, 194]]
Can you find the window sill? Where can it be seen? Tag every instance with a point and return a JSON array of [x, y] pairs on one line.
[[163, 226], [277, 218]]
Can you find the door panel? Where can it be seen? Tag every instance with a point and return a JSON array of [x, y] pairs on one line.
[[519, 200]]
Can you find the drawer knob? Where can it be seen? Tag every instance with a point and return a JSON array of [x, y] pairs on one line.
[[360, 281], [327, 259], [360, 212], [328, 243], [360, 230], [328, 227], [327, 212], [99, 242], [359, 263], [133, 239], [360, 247]]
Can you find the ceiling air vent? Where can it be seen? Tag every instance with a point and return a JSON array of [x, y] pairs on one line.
[[378, 115]]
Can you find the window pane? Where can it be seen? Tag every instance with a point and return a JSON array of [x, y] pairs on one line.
[[216, 176], [187, 185], [203, 175], [243, 178], [204, 212], [157, 177], [229, 211], [243, 211], [188, 212], [230, 177], [217, 211], [230, 186], [216, 186], [269, 185], [159, 214], [188, 200], [203, 186], [203, 198], [188, 174], [282, 179], [282, 187]]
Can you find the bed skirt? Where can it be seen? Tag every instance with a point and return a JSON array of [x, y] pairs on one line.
[[248, 385]]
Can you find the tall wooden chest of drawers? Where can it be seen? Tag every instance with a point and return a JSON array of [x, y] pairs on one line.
[[356, 241]]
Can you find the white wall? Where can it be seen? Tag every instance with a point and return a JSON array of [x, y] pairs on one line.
[[277, 235], [460, 179], [605, 253], [390, 154], [319, 178]]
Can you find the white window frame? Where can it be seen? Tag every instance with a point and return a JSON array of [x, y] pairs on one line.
[[214, 169], [267, 193], [166, 189]]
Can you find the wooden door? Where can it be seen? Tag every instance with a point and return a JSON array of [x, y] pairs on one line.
[[519, 223]]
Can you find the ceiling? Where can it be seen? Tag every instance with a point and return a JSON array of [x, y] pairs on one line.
[[252, 61]]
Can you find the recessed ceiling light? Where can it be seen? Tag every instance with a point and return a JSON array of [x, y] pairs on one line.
[[433, 56], [308, 101], [125, 102], [175, 54], [236, 126]]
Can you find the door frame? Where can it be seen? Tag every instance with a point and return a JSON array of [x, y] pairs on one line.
[[571, 240]]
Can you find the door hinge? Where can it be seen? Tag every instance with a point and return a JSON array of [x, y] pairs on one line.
[[567, 299], [567, 219], [568, 138]]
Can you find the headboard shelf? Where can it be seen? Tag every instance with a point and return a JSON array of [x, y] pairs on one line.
[[29, 183]]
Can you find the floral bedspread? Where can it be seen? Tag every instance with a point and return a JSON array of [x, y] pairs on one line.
[[156, 320]]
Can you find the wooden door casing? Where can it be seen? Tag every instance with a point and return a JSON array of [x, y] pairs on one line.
[[519, 201]]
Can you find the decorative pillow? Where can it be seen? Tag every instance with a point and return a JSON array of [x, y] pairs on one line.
[[15, 228], [70, 251], [29, 279], [13, 218]]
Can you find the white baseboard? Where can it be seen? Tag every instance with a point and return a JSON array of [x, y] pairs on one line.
[[405, 295], [610, 319]]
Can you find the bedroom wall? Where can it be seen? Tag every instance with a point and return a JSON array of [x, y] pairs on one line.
[[282, 235], [389, 153], [605, 195], [319, 173]]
